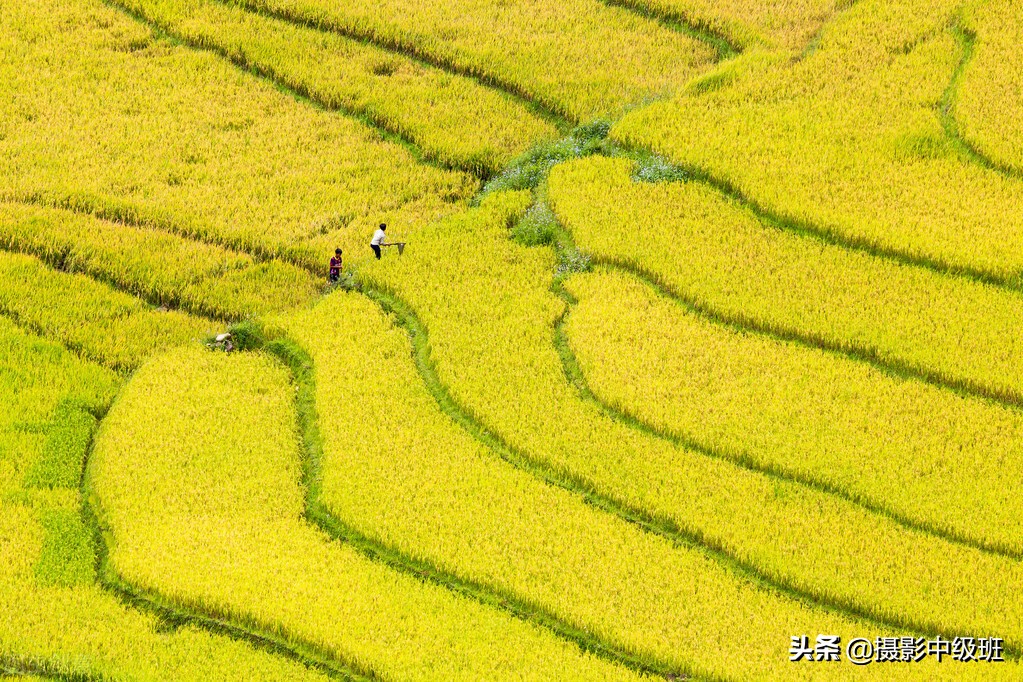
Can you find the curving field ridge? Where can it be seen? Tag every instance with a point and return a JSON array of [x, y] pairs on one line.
[[701, 350]]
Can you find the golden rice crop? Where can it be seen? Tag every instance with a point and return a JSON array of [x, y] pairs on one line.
[[54, 614], [753, 23], [991, 92], [254, 290], [899, 444], [39, 373], [705, 248], [105, 324], [453, 119], [849, 140], [489, 311], [399, 470], [154, 264], [186, 161], [197, 471], [127, 124], [580, 58]]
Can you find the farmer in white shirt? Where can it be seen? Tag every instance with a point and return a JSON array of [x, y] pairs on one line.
[[379, 239]]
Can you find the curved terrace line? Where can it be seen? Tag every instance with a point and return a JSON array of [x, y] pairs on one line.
[[746, 325], [542, 106], [738, 323], [645, 520], [852, 351], [967, 40], [59, 263], [75, 348], [318, 514], [385, 129], [717, 550], [865, 245], [553, 112], [665, 527], [578, 380], [171, 617], [695, 173], [946, 114], [661, 526], [175, 614], [636, 516], [741, 325], [680, 22], [113, 210], [863, 354], [293, 356]]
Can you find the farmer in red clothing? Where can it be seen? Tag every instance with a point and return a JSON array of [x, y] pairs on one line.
[[335, 266]]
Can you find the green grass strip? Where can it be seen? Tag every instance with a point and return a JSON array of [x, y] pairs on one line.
[[967, 41]]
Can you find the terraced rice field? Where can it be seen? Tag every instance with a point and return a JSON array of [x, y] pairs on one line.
[[701, 358]]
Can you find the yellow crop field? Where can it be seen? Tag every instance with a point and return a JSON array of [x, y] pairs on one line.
[[223, 514], [849, 141], [578, 58], [106, 325], [752, 23], [425, 104], [756, 399], [156, 265], [515, 340], [708, 250], [100, 128], [991, 92], [434, 493], [500, 363], [56, 617]]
